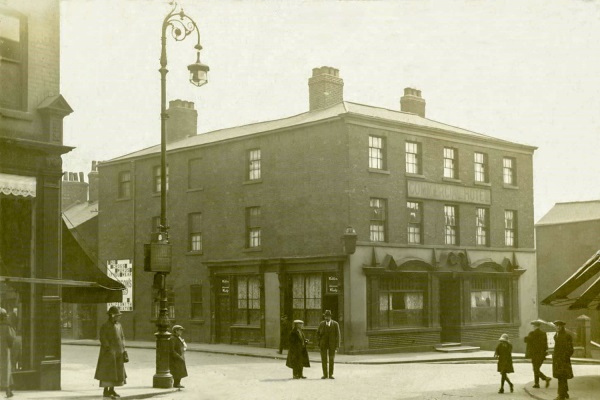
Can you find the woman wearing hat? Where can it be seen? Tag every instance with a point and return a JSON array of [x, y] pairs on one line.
[[7, 338], [110, 370], [505, 363], [177, 356], [297, 357]]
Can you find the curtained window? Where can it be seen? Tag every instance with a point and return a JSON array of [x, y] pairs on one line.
[[307, 296], [248, 300]]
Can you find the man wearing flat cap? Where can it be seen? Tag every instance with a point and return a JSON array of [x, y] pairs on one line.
[[177, 356], [537, 347], [110, 370], [561, 359], [297, 357], [328, 335]]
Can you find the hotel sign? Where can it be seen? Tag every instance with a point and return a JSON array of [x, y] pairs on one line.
[[453, 193]]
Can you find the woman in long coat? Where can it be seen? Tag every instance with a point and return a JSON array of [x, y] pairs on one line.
[[7, 338], [110, 370], [177, 356], [561, 359], [297, 357], [505, 363]]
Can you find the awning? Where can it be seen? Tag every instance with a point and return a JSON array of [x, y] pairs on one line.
[[590, 298], [78, 266], [17, 185]]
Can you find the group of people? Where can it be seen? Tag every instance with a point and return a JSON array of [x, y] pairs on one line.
[[328, 336], [110, 370], [536, 350]]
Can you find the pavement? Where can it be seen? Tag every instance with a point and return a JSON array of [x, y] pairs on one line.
[[584, 387]]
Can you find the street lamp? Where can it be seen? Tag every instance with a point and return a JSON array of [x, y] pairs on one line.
[[157, 255]]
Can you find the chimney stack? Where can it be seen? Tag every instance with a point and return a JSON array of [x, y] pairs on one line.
[[412, 102], [183, 120], [74, 189], [94, 181], [325, 88]]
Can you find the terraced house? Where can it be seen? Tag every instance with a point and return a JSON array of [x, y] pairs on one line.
[[412, 232]]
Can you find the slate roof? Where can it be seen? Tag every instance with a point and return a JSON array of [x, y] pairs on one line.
[[338, 110], [570, 212]]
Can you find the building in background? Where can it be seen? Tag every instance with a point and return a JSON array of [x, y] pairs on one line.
[[566, 238], [443, 218]]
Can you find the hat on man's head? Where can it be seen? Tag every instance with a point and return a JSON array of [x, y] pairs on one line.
[[175, 327], [298, 321], [327, 313], [504, 338], [537, 322], [559, 322], [3, 312], [114, 310]]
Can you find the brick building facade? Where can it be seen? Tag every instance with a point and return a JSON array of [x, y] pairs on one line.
[[443, 217]]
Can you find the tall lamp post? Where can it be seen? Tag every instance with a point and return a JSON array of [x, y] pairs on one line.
[[157, 255]]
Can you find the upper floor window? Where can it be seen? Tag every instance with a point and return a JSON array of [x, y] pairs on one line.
[[248, 300], [376, 152], [482, 227], [510, 228], [481, 167], [124, 184], [413, 158], [195, 232], [450, 163], [253, 164], [196, 302], [415, 231], [253, 229], [157, 179], [508, 171], [378, 223], [13, 53], [194, 169], [450, 225]]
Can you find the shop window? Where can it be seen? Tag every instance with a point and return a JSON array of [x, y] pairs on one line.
[[124, 184], [376, 152], [196, 302], [157, 179], [307, 297], [378, 223], [401, 302], [253, 230], [254, 164], [248, 301], [195, 232], [13, 53], [450, 163], [413, 158], [488, 300], [170, 303], [415, 231]]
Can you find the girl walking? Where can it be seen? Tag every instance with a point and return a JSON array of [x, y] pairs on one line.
[[505, 364]]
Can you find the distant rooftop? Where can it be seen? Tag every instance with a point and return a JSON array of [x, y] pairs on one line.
[[79, 213], [340, 109], [577, 211]]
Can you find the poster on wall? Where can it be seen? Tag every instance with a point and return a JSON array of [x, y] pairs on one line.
[[122, 271]]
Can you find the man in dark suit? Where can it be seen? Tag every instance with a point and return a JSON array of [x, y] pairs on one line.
[[328, 335], [537, 346], [561, 359]]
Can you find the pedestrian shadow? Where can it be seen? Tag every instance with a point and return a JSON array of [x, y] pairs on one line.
[[278, 380]]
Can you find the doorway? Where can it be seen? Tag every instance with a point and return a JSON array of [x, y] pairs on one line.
[[450, 310]]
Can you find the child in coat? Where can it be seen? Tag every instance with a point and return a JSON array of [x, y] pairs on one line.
[[505, 364]]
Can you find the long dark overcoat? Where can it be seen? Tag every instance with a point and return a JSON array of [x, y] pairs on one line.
[[177, 358], [7, 338], [110, 367], [504, 354], [297, 354], [561, 357], [537, 345]]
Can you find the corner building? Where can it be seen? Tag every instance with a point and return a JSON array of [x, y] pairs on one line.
[[257, 215]]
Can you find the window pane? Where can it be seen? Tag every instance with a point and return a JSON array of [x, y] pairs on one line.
[[254, 164]]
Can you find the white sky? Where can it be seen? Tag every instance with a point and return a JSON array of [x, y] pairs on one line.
[[520, 70]]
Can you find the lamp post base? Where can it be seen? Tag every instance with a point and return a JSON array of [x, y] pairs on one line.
[[163, 378], [162, 381]]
